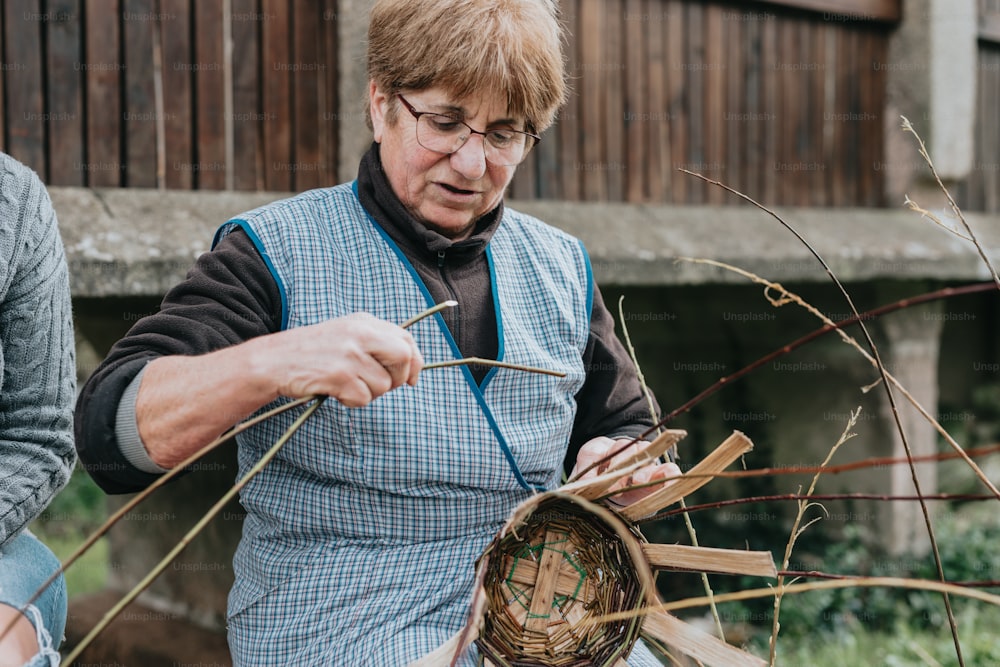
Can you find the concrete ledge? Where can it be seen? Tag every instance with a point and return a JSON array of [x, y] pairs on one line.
[[136, 242]]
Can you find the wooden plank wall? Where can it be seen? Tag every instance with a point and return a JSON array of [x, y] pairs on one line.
[[981, 190], [782, 104], [238, 94]]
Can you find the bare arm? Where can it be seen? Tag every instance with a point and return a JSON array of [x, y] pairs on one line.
[[185, 402]]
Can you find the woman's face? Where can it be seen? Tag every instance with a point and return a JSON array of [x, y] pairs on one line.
[[447, 193]]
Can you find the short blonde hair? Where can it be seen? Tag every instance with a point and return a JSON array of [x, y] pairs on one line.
[[469, 47]]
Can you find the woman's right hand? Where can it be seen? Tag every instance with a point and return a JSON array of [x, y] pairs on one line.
[[354, 359], [183, 403]]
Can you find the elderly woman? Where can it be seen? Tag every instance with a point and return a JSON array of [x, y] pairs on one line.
[[361, 536], [36, 412]]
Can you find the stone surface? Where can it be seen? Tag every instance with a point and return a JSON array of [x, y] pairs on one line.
[[138, 242], [133, 242]]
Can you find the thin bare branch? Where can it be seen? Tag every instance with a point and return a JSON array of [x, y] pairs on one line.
[[908, 127], [892, 400], [191, 534], [790, 297], [804, 505], [692, 533]]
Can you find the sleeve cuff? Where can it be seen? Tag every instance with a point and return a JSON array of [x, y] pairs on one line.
[[127, 431]]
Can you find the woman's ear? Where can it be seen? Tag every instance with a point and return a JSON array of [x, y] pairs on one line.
[[377, 105]]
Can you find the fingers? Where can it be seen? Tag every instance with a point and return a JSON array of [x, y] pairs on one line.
[[646, 475], [652, 473], [386, 357], [354, 359], [590, 453], [617, 452], [398, 355], [598, 449]]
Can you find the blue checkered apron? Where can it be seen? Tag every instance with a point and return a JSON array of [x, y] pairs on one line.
[[360, 538]]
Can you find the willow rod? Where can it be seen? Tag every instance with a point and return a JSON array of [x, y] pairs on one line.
[[228, 496], [883, 375], [727, 380], [191, 534]]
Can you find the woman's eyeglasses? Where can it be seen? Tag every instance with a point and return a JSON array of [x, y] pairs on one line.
[[503, 146]]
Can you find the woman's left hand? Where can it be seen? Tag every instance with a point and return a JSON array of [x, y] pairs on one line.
[[598, 448]]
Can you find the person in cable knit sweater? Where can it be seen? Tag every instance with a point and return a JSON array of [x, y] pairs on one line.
[[38, 375]]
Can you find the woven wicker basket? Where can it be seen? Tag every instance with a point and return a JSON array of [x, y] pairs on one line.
[[568, 582]]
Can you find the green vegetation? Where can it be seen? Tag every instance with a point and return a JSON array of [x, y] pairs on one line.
[[74, 514], [900, 646], [886, 626]]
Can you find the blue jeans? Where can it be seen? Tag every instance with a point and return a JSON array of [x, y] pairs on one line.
[[25, 564]]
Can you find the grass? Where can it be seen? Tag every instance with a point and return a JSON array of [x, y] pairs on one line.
[[77, 511], [90, 573], [904, 646]]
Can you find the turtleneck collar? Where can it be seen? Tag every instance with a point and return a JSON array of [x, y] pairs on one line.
[[382, 203]]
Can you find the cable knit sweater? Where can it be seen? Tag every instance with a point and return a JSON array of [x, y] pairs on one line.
[[37, 355]]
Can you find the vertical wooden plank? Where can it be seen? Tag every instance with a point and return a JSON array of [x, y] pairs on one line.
[[677, 99], [523, 185], [852, 105], [276, 91], [695, 75], [178, 69], [247, 116], [23, 58], [818, 182], [305, 78], [592, 121], [139, 114], [771, 104], [738, 121], [878, 85], [750, 157], [788, 156], [210, 101], [549, 168], [869, 120], [838, 181], [64, 92], [331, 58], [858, 114], [104, 165], [569, 120], [814, 52], [613, 76], [633, 118], [715, 94], [801, 174], [658, 126]]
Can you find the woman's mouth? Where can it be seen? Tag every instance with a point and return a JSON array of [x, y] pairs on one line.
[[457, 191]]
